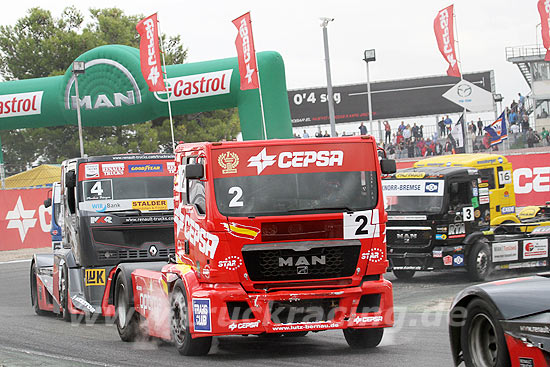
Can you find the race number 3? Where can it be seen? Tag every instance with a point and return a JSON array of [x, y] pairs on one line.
[[468, 214], [363, 224]]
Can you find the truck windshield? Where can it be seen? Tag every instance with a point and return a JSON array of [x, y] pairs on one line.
[[413, 196], [287, 194]]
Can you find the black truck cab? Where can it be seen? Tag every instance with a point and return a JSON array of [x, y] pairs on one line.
[[435, 217]]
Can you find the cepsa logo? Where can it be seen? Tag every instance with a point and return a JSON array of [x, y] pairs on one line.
[[153, 62], [21, 104], [527, 180], [322, 158], [206, 242], [447, 45], [243, 31]]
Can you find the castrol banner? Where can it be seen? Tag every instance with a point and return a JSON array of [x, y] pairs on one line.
[[149, 53], [531, 177], [24, 221], [444, 34], [21, 104], [246, 52], [544, 11]]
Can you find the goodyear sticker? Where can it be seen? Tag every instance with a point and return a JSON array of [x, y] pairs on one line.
[[150, 204], [440, 236], [145, 168], [410, 175], [95, 277]]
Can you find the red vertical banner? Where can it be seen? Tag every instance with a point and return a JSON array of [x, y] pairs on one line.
[[149, 53], [444, 34], [544, 11], [246, 52]]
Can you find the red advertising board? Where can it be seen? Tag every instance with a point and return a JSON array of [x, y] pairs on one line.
[[531, 177], [24, 221]]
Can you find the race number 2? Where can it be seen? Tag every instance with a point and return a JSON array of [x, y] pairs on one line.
[[363, 224]]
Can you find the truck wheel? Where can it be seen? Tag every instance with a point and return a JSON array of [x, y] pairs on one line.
[[64, 293], [482, 338], [479, 261], [363, 338], [127, 320], [404, 274], [34, 292], [179, 325]]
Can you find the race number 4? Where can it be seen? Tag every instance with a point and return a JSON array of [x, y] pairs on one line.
[[363, 224], [468, 214]]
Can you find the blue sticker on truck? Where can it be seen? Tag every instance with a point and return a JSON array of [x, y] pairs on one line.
[[458, 260], [201, 315]]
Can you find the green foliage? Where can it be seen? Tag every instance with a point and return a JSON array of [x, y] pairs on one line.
[[40, 45]]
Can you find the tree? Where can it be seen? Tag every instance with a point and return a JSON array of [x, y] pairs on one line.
[[39, 45]]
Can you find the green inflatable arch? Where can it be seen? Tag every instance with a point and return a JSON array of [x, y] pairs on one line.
[[113, 92]]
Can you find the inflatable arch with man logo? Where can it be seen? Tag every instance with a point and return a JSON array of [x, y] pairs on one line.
[[113, 91]]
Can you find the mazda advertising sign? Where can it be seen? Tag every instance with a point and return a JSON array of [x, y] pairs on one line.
[[390, 99]]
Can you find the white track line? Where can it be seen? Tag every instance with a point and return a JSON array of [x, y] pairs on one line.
[[14, 261], [48, 355]]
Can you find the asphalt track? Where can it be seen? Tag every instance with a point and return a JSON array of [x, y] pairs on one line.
[[419, 337]]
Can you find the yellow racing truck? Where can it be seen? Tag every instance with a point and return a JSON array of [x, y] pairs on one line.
[[496, 179]]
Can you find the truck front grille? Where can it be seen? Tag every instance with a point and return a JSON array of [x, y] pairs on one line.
[[134, 254], [410, 239], [301, 260]]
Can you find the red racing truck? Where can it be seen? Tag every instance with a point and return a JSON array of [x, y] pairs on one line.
[[272, 237]]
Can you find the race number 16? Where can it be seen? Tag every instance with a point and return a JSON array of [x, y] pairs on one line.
[[363, 224]]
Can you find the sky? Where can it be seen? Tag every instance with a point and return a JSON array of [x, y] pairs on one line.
[[400, 31]]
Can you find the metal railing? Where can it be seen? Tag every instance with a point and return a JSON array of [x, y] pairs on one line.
[[525, 51]]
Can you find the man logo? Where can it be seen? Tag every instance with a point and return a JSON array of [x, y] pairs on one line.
[[116, 99], [431, 187]]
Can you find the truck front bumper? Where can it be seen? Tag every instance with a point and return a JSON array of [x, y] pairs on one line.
[[441, 257], [227, 309]]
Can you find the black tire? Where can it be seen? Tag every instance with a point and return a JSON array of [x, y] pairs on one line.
[[34, 292], [404, 274], [64, 293], [479, 263], [482, 339], [179, 325], [363, 338], [127, 319]]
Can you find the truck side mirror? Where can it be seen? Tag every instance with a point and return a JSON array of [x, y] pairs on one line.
[[388, 166], [70, 179], [454, 188], [47, 202], [194, 171]]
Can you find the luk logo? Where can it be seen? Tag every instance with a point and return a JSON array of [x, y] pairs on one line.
[[323, 158], [21, 219], [103, 100]]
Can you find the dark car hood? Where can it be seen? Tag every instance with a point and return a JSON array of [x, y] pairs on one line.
[[517, 297]]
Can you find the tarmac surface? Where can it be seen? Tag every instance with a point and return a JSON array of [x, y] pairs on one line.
[[419, 337]]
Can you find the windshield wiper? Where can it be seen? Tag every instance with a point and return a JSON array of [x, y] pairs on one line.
[[344, 208]]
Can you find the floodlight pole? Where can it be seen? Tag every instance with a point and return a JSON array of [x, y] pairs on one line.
[[79, 67], [324, 24]]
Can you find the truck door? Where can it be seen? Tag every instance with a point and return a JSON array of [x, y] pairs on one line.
[[463, 208], [505, 187]]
